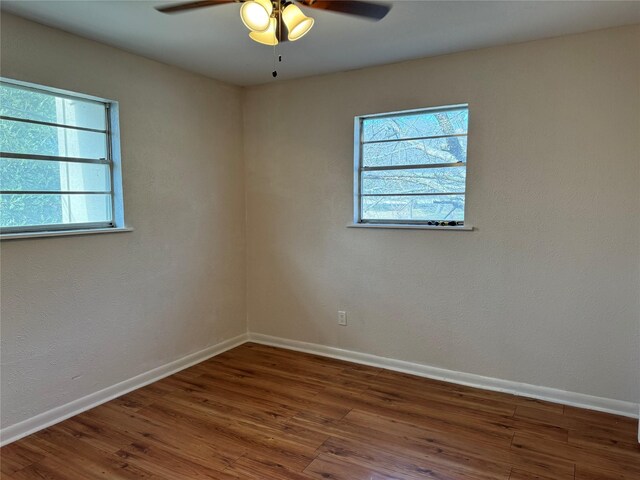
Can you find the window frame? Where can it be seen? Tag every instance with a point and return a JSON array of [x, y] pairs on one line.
[[358, 169], [113, 160]]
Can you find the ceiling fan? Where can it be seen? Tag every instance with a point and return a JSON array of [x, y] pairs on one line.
[[274, 21]]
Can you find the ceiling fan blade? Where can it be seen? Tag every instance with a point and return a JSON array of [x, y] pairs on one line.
[[374, 11], [183, 7]]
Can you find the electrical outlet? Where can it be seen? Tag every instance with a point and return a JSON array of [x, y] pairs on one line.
[[342, 318]]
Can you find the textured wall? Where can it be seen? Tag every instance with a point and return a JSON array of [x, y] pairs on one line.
[[83, 313], [544, 291]]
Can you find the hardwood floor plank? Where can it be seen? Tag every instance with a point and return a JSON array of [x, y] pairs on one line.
[[275, 392], [258, 467], [601, 418], [430, 464], [595, 473], [168, 463], [415, 382], [626, 463], [17, 456], [386, 387], [198, 442], [455, 442], [288, 449], [519, 474], [600, 439], [481, 427], [75, 459], [39, 471], [587, 421], [325, 466]]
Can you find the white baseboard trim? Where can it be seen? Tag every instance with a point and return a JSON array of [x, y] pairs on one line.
[[608, 405], [46, 419]]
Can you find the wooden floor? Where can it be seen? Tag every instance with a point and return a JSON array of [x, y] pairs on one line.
[[258, 412]]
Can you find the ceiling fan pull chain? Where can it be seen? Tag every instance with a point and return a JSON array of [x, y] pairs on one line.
[[278, 37], [275, 72]]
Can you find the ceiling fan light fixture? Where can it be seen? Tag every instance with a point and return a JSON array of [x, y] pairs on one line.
[[298, 24], [268, 37], [256, 15]]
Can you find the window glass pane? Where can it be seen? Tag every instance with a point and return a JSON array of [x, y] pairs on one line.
[[414, 180], [18, 174], [414, 208], [421, 124], [47, 107], [20, 137], [17, 210], [415, 152]]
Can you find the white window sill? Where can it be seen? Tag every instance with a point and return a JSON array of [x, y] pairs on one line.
[[63, 233], [461, 228]]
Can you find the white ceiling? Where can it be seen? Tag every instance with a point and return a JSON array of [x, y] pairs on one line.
[[213, 41]]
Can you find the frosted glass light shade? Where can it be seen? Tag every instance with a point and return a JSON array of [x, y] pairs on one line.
[[255, 14], [268, 37], [297, 22]]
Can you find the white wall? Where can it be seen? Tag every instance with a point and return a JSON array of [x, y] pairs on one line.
[[544, 291], [83, 313]]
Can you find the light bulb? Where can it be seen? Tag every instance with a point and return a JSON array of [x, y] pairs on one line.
[[297, 22], [255, 14], [268, 37]]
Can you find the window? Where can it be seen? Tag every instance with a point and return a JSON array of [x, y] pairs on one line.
[[57, 169], [410, 167]]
